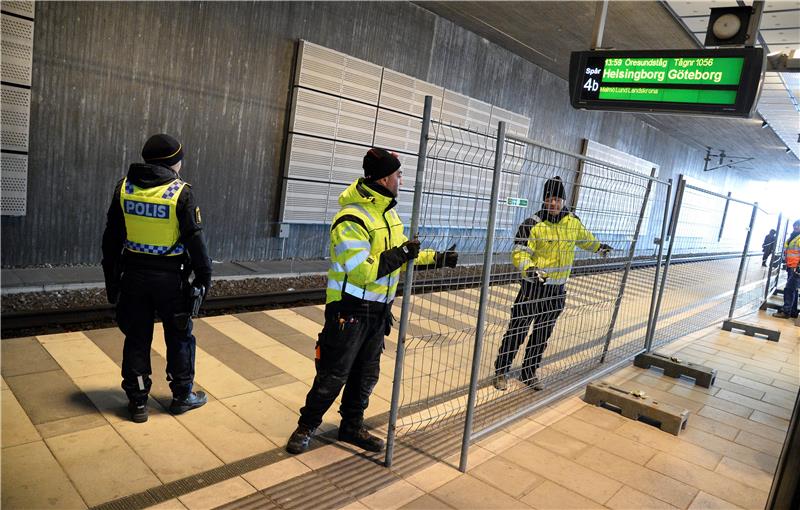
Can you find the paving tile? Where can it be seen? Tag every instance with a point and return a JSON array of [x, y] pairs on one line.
[[565, 472], [274, 380], [639, 477], [506, 476], [524, 429], [771, 409], [293, 396], [714, 427], [49, 396], [745, 474], [105, 394], [498, 442], [551, 496], [217, 378], [323, 456], [155, 442], [16, 428], [80, 357], [32, 478], [759, 443], [242, 360], [392, 497], [69, 425], [227, 435], [749, 425], [357, 505], [264, 413], [217, 494], [3, 384], [276, 473], [101, 464], [730, 449], [771, 420], [630, 499], [601, 438], [705, 501], [708, 481], [290, 361], [171, 504], [433, 477], [562, 444], [313, 313], [426, 502], [661, 441], [600, 417], [740, 389], [468, 492], [779, 400], [25, 356]]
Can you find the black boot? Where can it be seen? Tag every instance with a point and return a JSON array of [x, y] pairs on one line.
[[300, 439], [138, 410], [360, 437], [191, 401]]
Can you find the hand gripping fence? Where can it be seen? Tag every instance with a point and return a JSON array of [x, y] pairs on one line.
[[460, 328]]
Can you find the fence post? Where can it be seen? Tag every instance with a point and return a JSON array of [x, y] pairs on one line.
[[676, 212], [780, 250], [648, 338], [631, 254], [724, 217], [407, 283], [743, 261], [484, 301], [771, 261]]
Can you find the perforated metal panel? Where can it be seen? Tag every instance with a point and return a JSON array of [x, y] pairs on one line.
[[14, 184], [16, 104], [342, 106], [17, 49], [26, 9]]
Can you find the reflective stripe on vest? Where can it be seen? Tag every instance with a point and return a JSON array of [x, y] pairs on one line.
[[151, 220], [792, 251]]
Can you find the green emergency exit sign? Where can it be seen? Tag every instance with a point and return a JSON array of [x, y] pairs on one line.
[[517, 202]]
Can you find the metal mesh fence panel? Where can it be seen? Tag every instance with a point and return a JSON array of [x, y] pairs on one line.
[[595, 320], [707, 244]]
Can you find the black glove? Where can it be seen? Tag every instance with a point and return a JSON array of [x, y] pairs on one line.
[[410, 249], [447, 258], [202, 282], [112, 292], [534, 274], [604, 250]]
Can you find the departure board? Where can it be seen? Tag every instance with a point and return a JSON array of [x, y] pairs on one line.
[[716, 82]]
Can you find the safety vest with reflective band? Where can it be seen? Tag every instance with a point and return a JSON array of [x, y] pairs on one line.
[[151, 222], [366, 226], [792, 251], [550, 246]]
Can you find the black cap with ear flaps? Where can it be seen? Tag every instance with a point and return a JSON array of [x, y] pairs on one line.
[[378, 163]]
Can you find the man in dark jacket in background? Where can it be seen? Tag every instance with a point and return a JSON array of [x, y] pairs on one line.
[[768, 246], [153, 240]]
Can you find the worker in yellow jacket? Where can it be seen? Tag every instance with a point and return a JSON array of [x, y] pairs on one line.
[[544, 250], [368, 251], [791, 252]]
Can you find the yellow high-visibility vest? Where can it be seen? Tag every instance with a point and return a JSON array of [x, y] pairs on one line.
[[151, 220]]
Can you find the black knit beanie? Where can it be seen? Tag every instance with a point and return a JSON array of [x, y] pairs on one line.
[[554, 188], [378, 163], [162, 150]]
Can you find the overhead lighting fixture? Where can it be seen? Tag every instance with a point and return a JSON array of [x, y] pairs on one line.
[[764, 124], [727, 26], [788, 150]]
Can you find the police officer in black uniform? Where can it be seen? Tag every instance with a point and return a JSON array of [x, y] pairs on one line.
[[152, 242]]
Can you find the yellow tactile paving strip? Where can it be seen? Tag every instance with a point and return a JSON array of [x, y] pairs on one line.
[[71, 446]]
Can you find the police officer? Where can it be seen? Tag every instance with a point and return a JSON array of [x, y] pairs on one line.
[[153, 240], [791, 251], [368, 251], [768, 246], [544, 249]]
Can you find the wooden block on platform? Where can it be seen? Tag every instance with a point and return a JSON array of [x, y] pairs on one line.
[[636, 405], [673, 367]]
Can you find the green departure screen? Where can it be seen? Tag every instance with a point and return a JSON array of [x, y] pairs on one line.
[[678, 78]]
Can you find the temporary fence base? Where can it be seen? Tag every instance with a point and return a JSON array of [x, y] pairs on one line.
[[751, 330], [773, 303], [674, 367], [637, 406]]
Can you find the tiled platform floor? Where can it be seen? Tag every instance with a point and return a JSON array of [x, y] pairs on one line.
[[66, 442]]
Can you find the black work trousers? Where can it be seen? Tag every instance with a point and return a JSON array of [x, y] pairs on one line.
[[143, 293], [348, 354], [538, 304]]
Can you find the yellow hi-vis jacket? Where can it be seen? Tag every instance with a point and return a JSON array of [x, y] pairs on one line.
[[151, 222], [792, 251], [550, 247], [366, 225]]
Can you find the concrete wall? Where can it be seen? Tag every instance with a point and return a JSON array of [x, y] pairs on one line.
[[217, 76]]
